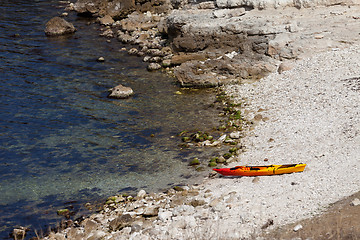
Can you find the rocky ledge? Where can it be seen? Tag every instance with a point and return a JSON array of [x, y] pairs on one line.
[[210, 43]]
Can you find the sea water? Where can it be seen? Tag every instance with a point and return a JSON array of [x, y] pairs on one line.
[[62, 140]]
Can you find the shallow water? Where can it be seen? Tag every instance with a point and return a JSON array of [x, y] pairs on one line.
[[62, 139]]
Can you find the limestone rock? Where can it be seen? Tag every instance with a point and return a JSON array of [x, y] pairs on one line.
[[120, 92], [106, 20], [355, 202], [115, 9], [297, 227], [120, 222], [285, 66], [151, 211], [107, 33], [58, 26], [141, 194], [235, 135], [164, 215], [154, 66]]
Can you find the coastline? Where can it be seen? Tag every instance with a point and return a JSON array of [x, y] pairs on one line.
[[317, 127], [307, 114]]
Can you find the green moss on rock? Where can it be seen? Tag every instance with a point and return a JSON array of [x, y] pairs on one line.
[[194, 162], [212, 164]]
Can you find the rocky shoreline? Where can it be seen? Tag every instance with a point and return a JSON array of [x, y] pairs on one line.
[[304, 108]]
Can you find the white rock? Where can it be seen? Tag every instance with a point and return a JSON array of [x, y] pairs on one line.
[[180, 210], [231, 55], [235, 135], [355, 202], [141, 194], [164, 215], [190, 222], [297, 227], [222, 138]]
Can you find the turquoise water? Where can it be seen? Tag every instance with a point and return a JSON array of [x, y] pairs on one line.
[[62, 140]]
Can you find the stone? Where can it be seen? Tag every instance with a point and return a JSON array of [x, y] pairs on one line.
[[206, 5], [141, 194], [166, 63], [135, 228], [256, 180], [55, 236], [19, 233], [101, 59], [89, 226], [235, 135], [220, 160], [96, 235], [124, 38], [355, 202], [133, 51], [285, 66], [63, 212], [197, 202], [58, 26], [114, 8], [267, 224], [190, 222], [120, 222], [297, 227], [106, 20], [107, 33], [151, 211], [154, 66], [121, 92], [164, 215], [194, 162]]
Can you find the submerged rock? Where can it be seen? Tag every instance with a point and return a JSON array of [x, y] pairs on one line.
[[120, 91], [58, 26]]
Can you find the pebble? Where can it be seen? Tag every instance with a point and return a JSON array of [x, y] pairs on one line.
[[235, 135], [141, 194], [355, 202], [297, 227], [101, 59]]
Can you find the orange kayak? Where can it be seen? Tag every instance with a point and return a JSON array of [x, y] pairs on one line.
[[261, 170]]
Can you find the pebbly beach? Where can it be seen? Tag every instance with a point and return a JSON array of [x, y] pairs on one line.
[[292, 68]]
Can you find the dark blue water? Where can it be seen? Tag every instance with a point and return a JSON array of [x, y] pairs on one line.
[[62, 139]]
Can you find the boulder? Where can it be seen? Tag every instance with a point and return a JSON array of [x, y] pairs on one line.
[[58, 26], [120, 92]]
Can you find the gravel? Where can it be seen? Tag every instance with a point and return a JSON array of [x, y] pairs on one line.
[[314, 118]]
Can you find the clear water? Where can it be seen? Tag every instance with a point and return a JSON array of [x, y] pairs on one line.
[[62, 139]]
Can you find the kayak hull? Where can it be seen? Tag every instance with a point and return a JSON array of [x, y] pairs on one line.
[[261, 170]]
